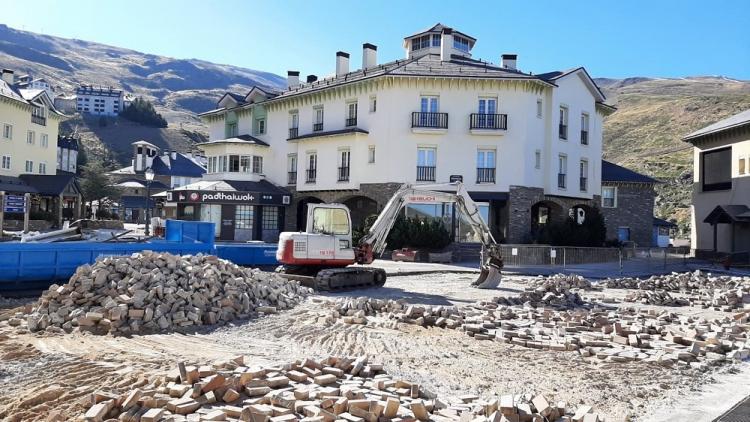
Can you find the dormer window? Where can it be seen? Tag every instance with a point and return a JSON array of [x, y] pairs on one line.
[[421, 42], [436, 40], [461, 43]]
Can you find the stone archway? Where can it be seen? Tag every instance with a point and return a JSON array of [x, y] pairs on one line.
[[360, 207], [543, 213], [302, 210]]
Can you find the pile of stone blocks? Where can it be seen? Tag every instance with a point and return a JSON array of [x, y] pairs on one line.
[[356, 310], [655, 297], [151, 292], [343, 389]]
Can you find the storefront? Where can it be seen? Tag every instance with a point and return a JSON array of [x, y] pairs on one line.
[[241, 210]]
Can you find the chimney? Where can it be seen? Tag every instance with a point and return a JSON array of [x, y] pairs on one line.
[[509, 61], [8, 76], [311, 78], [369, 55], [292, 79], [342, 63], [446, 44]]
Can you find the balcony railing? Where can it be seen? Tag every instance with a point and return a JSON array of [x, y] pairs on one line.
[[561, 179], [584, 137], [351, 121], [563, 131], [40, 120], [293, 132], [291, 178], [584, 184], [488, 121], [425, 173], [311, 174], [317, 127], [486, 175], [429, 120], [343, 174]]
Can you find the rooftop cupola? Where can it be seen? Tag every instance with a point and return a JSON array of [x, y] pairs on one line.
[[431, 41]]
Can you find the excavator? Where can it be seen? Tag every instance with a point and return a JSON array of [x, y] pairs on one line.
[[322, 256]]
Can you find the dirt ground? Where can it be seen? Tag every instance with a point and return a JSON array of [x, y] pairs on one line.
[[40, 372]]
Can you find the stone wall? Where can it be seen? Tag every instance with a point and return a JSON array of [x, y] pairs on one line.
[[635, 209]]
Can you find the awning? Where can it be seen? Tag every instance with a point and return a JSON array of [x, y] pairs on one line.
[[15, 185], [489, 196], [728, 214]]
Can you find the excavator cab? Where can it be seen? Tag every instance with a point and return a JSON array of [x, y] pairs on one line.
[[326, 241]]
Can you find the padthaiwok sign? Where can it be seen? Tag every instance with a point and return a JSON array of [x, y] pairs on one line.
[[221, 197]]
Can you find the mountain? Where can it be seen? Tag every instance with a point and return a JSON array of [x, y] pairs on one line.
[[653, 115], [179, 88]]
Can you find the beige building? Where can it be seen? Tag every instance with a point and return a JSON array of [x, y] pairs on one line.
[[721, 186]]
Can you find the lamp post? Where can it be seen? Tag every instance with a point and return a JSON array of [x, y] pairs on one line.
[[149, 178]]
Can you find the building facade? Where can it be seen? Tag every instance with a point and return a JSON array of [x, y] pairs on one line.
[[516, 140], [721, 186], [99, 101], [67, 153], [627, 204]]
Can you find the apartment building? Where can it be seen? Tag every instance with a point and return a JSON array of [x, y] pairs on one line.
[[99, 101], [721, 187], [67, 153]]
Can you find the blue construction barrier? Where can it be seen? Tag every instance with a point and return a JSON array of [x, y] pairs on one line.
[[248, 254]]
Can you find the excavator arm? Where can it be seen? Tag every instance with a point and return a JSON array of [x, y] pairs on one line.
[[375, 240]]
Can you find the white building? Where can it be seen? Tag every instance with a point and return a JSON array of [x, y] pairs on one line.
[[99, 101], [28, 82], [528, 147]]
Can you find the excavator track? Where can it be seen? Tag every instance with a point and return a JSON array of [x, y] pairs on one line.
[[334, 279]]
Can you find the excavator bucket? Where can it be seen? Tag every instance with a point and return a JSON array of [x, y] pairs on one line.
[[492, 263]]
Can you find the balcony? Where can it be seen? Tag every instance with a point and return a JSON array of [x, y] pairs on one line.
[[561, 179], [492, 123], [425, 173], [563, 131], [291, 178], [584, 184], [318, 127], [486, 175], [351, 121], [429, 122], [293, 132], [343, 174], [40, 120], [311, 174], [584, 137]]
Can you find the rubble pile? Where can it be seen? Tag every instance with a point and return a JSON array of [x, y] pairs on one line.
[[355, 311], [563, 281], [332, 389], [656, 297], [149, 292]]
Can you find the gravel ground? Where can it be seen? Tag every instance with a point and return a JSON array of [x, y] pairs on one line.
[[39, 372]]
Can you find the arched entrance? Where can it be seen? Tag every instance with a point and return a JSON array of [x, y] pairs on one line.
[[580, 212], [544, 213], [360, 208], [302, 210]]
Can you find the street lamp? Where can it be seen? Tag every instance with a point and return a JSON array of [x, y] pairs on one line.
[[149, 178]]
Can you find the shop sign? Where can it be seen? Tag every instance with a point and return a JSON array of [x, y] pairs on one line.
[[14, 203], [220, 197]]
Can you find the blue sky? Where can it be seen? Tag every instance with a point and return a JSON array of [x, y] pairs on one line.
[[609, 38]]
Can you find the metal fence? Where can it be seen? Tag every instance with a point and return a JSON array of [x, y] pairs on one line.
[[591, 260]]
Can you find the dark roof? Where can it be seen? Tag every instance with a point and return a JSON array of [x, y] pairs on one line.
[[237, 97], [67, 142], [135, 202], [611, 172], [241, 139], [557, 74], [51, 184], [180, 166], [663, 223], [738, 120], [330, 133], [263, 186], [11, 184], [726, 214]]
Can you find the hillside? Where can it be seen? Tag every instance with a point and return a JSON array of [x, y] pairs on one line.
[[179, 88], [653, 115]]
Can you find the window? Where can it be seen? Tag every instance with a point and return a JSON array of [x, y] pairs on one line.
[[234, 163], [420, 42], [5, 165], [312, 167], [29, 166], [487, 105], [584, 175], [211, 164], [330, 221], [539, 108], [344, 164], [7, 131], [426, 159], [42, 168], [245, 161], [562, 171], [371, 154], [30, 137], [609, 197], [584, 129], [257, 164], [231, 129], [563, 123], [351, 114], [292, 162], [436, 40], [293, 120], [261, 126], [223, 163], [244, 216], [717, 169], [44, 140], [742, 165], [461, 43], [486, 166], [317, 118], [538, 159], [270, 218], [373, 104], [429, 106]]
